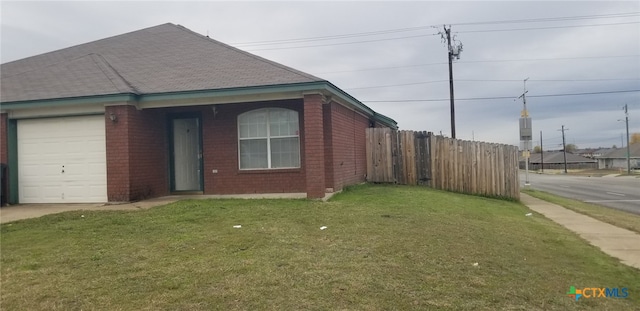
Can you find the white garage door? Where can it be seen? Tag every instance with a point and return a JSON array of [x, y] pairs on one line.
[[62, 160]]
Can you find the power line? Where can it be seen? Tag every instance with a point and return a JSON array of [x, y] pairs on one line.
[[553, 19], [396, 30], [331, 37], [543, 28], [381, 68], [481, 61], [497, 97], [394, 85], [587, 93], [546, 80], [598, 141], [409, 37], [547, 59], [341, 43], [487, 80]]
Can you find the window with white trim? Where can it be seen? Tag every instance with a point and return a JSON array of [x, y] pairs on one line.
[[268, 138]]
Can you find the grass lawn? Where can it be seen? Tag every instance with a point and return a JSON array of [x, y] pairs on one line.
[[615, 217], [385, 248]]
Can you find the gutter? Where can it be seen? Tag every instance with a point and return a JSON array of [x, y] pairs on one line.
[[325, 86]]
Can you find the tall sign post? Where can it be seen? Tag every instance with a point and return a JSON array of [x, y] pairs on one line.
[[526, 133]]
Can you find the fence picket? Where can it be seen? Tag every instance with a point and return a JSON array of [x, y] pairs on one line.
[[408, 157]]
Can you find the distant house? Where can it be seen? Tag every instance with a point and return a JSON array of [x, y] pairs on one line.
[[587, 153], [617, 158], [165, 110], [600, 152], [555, 160]]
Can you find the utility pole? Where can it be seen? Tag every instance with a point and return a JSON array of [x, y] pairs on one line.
[[564, 148], [626, 120], [541, 153], [453, 52], [525, 133]]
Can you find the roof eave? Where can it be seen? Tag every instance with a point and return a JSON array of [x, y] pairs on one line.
[[92, 99], [356, 103], [325, 87]]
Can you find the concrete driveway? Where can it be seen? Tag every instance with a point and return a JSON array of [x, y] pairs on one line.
[[24, 211]]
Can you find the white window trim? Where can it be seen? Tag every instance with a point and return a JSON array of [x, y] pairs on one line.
[[268, 138]]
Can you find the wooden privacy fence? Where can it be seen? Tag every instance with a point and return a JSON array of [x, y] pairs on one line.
[[412, 158]]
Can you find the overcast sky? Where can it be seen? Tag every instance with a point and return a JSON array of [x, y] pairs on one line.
[[390, 56]]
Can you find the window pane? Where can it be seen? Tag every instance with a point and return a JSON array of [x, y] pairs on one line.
[[283, 122], [253, 124], [253, 153], [285, 152], [257, 142]]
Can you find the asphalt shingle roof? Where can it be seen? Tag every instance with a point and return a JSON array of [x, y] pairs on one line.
[[558, 157], [160, 59], [621, 153]]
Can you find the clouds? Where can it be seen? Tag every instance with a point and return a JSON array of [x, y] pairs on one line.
[[557, 59]]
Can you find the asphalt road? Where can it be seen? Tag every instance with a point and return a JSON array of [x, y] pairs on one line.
[[616, 192]]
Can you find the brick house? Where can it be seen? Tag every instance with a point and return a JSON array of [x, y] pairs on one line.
[[163, 111], [617, 158]]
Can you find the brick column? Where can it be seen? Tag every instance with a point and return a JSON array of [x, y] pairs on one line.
[[118, 149], [328, 148], [314, 146]]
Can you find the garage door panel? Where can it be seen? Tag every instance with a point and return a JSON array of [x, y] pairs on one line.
[[74, 193], [31, 148], [35, 194], [62, 160]]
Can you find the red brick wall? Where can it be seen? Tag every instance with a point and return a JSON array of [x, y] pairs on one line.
[[314, 146], [332, 150], [136, 154], [148, 155], [117, 140], [348, 145], [220, 152], [328, 147]]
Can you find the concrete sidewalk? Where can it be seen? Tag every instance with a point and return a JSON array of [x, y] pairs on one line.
[[614, 241]]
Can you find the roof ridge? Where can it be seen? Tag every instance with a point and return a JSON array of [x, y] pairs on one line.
[[83, 44], [262, 59], [105, 63]]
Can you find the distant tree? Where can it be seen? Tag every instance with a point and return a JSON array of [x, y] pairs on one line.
[[634, 138], [537, 149], [571, 148], [614, 147]]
